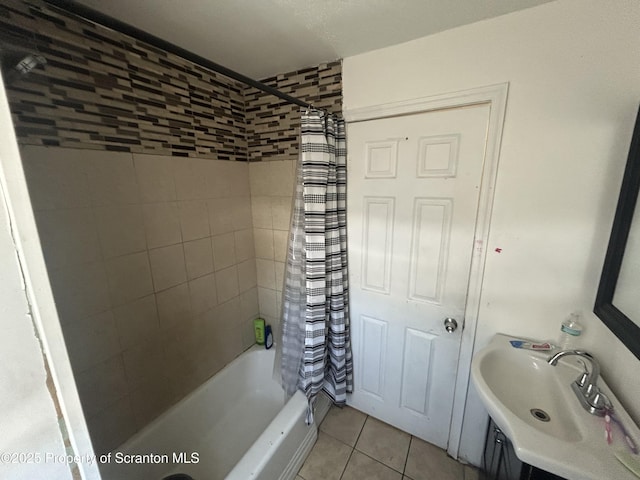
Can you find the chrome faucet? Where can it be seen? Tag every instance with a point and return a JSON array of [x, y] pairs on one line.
[[585, 387]]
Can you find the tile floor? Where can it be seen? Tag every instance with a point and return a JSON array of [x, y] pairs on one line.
[[353, 446]]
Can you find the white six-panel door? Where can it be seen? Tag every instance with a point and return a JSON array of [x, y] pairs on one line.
[[413, 190]]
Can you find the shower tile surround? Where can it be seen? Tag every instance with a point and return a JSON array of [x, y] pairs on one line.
[[148, 311], [162, 194]]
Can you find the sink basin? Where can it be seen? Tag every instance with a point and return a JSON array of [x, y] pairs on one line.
[[531, 390], [534, 405]]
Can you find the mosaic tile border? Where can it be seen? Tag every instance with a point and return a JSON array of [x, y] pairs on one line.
[[103, 90], [273, 125]]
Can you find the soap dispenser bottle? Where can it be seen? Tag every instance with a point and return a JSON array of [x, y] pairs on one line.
[[570, 330]]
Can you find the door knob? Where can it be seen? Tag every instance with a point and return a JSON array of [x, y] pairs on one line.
[[450, 325]]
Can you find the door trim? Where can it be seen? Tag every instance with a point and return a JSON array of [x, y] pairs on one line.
[[496, 97]]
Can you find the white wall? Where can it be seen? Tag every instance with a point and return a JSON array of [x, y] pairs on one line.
[[572, 66], [28, 418]]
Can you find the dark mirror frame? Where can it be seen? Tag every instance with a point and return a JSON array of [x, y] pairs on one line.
[[617, 321]]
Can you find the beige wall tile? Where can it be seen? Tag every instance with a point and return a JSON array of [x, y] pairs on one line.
[[263, 240], [216, 183], [174, 306], [267, 302], [121, 230], [259, 178], [112, 178], [143, 361], [248, 334], [224, 251], [184, 381], [249, 308], [101, 385], [226, 314], [92, 340], [279, 269], [152, 397], [136, 321], [266, 274], [247, 276], [194, 219], [271, 178], [203, 293], [261, 212], [56, 177], [179, 344], [241, 213], [161, 224], [272, 195], [204, 168], [112, 426], [229, 345], [209, 361], [129, 278], [80, 290], [220, 215], [189, 176], [198, 256], [227, 284], [226, 179], [154, 174], [68, 236], [239, 174], [280, 245], [281, 178], [281, 210], [244, 245], [167, 266]]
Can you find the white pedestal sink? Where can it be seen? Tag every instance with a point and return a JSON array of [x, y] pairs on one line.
[[534, 405]]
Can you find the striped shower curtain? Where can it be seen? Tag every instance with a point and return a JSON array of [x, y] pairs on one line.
[[315, 349]]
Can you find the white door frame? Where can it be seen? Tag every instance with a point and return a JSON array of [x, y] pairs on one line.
[[38, 290], [496, 97]]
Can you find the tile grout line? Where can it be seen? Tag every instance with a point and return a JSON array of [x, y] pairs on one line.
[[406, 459], [347, 464], [353, 449], [375, 459], [381, 463], [360, 432]]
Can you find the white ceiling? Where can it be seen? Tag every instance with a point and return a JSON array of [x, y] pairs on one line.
[[260, 38]]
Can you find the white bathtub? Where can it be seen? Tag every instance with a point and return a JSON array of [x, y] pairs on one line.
[[236, 426]]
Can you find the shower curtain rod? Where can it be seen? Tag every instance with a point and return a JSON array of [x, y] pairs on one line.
[[95, 16]]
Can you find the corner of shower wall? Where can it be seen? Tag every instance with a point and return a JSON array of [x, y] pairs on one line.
[[272, 186], [273, 130]]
